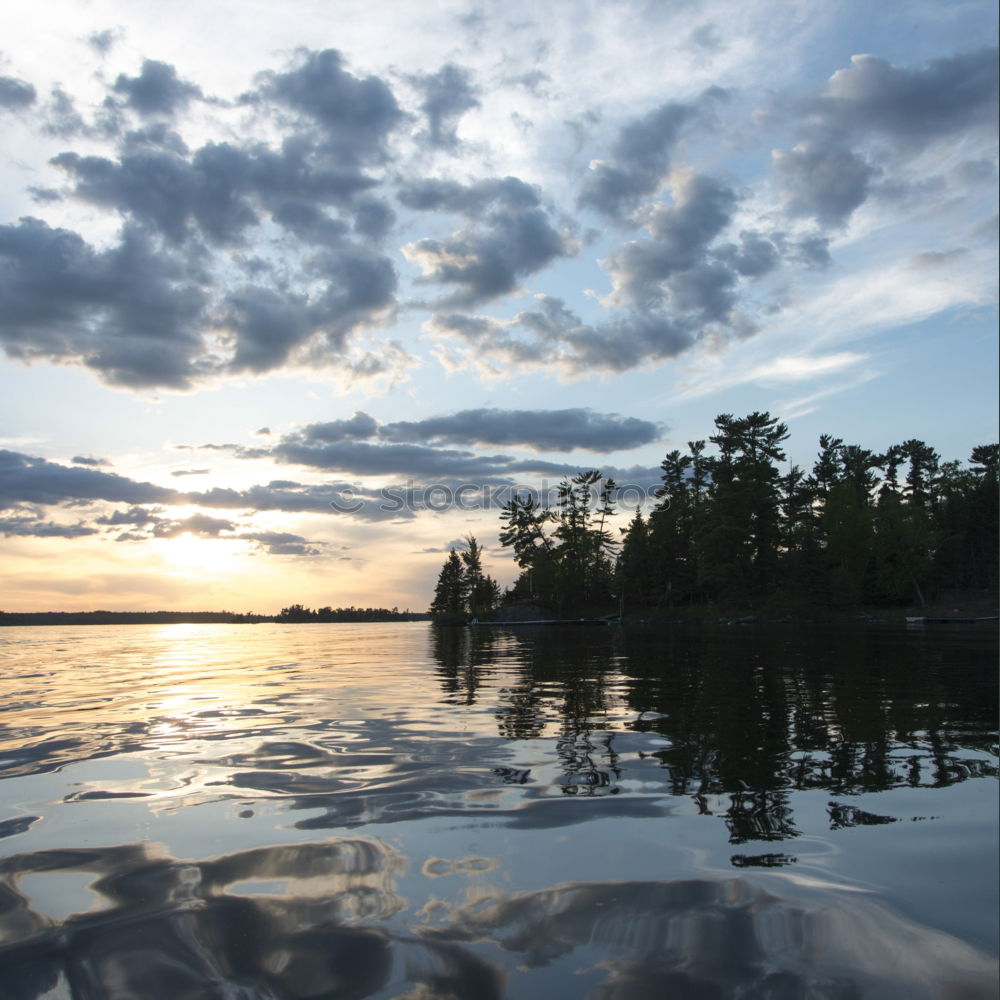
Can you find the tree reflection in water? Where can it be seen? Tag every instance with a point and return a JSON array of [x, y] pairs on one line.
[[747, 715]]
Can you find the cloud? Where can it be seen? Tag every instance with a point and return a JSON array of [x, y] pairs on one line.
[[139, 315], [871, 118], [641, 156], [561, 340], [282, 543], [373, 218], [673, 288], [356, 115], [541, 430], [913, 106], [823, 180], [167, 192], [88, 460], [672, 266], [363, 459], [447, 94], [129, 312], [103, 42], [190, 472], [33, 527], [24, 479], [359, 427], [797, 368], [157, 90], [424, 464], [266, 326], [202, 525], [512, 237], [474, 200], [136, 516], [15, 94]]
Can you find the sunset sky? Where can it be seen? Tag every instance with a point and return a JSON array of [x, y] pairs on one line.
[[256, 258]]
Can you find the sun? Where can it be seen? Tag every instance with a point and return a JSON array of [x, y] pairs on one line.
[[191, 555]]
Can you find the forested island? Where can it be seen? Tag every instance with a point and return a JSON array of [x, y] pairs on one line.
[[294, 613], [731, 532]]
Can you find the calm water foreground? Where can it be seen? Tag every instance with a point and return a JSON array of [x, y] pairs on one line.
[[395, 811]]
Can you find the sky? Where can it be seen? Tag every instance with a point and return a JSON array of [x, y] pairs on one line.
[[292, 296]]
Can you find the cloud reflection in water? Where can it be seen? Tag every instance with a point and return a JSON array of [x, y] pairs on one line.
[[171, 929]]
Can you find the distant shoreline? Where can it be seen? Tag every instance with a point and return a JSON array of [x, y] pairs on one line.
[[15, 618]]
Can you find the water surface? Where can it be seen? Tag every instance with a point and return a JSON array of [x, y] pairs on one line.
[[398, 811]]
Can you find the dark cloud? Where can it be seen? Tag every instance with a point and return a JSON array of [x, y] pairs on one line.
[[754, 257], [310, 223], [25, 479], [359, 290], [202, 525], [359, 427], [628, 342], [356, 115], [190, 472], [512, 237], [282, 543], [474, 201], [813, 251], [447, 94], [61, 117], [824, 180], [157, 90], [43, 195], [673, 286], [138, 318], [490, 338], [206, 526], [641, 157], [267, 327], [32, 527], [136, 516], [448, 468], [155, 135], [363, 459], [167, 192], [129, 312], [913, 106], [221, 190], [16, 93], [542, 430], [373, 217], [672, 266], [871, 117], [561, 339], [88, 460]]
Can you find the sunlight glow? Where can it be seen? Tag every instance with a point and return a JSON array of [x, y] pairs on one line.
[[190, 555]]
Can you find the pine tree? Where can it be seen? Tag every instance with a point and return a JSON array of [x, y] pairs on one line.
[[449, 604]]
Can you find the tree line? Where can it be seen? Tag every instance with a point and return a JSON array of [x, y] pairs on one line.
[[298, 613], [730, 529]]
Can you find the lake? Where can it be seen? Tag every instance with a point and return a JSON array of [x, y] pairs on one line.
[[398, 811]]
